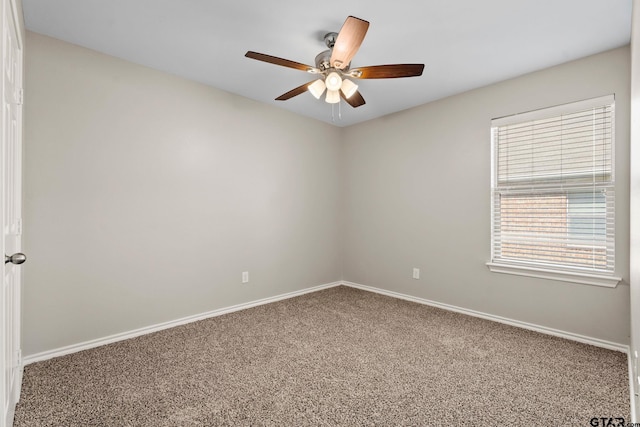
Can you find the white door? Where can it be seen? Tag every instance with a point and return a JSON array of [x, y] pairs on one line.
[[11, 188]]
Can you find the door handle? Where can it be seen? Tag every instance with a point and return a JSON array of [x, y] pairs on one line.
[[17, 258]]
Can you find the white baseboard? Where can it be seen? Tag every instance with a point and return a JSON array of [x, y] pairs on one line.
[[533, 327], [62, 351]]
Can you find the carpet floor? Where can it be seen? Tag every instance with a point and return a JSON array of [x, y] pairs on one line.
[[337, 357]]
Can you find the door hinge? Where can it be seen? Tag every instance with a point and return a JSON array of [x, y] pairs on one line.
[[20, 96]]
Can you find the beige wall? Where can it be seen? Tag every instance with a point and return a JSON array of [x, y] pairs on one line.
[[417, 188], [147, 195]]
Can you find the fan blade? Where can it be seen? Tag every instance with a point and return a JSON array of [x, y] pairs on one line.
[[348, 41], [354, 100], [294, 92], [387, 71], [280, 61]]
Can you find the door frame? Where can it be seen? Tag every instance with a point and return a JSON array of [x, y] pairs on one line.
[[12, 10]]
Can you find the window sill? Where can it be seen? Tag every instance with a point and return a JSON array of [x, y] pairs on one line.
[[583, 278]]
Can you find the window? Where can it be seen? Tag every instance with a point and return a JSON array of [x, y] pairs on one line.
[[553, 195]]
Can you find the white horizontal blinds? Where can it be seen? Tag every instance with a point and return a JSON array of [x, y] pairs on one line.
[[569, 148], [553, 192]]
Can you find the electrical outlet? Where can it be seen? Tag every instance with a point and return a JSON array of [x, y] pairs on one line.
[[245, 277], [416, 273]]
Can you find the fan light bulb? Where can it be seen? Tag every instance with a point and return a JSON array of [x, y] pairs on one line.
[[317, 88], [333, 96], [348, 88], [333, 81]]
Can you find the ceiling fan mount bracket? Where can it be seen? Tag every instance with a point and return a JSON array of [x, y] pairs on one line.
[[330, 39]]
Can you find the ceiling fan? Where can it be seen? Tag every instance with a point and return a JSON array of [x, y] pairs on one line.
[[333, 66]]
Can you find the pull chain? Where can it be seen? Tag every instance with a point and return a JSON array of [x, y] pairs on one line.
[[333, 111]]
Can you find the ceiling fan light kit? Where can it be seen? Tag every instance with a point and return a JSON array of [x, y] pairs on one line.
[[348, 88], [317, 88], [333, 97], [333, 81], [333, 66]]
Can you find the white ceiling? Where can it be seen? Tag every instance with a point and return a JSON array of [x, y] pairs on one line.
[[465, 44]]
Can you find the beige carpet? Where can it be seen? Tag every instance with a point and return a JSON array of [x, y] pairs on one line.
[[336, 357]]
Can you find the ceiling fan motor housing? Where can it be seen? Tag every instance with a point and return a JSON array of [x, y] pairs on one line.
[[322, 60], [323, 63]]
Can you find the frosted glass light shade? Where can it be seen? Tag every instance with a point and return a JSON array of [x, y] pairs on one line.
[[333, 96], [317, 88], [333, 81], [348, 88]]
